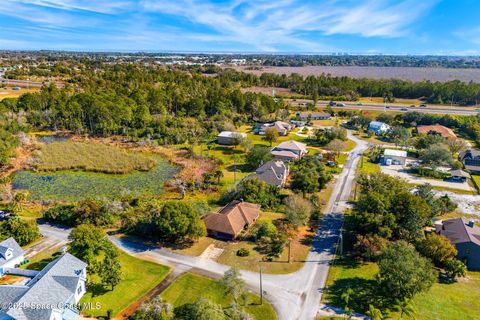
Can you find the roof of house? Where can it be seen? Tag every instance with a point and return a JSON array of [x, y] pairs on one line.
[[9, 244], [284, 154], [306, 114], [396, 153], [471, 153], [279, 125], [459, 173], [376, 124], [441, 130], [54, 285], [231, 134], [291, 145], [272, 172], [458, 231], [232, 218]]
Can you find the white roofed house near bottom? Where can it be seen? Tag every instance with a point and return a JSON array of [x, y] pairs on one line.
[[50, 294]]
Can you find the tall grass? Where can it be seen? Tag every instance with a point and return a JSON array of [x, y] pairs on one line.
[[92, 157]]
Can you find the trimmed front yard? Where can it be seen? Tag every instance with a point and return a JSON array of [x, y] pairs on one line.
[[138, 277], [190, 287], [441, 302]]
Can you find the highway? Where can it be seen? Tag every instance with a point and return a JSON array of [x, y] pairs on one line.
[[465, 111], [27, 83]]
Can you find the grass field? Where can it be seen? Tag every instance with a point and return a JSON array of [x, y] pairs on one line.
[[77, 185], [367, 167], [138, 277], [190, 287], [10, 93], [442, 302], [93, 157]]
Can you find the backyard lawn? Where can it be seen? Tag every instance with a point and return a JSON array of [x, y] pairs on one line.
[[443, 301], [190, 287], [138, 277], [367, 167]]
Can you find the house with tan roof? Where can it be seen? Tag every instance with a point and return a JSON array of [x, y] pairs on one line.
[[436, 129], [282, 128], [232, 219], [289, 150]]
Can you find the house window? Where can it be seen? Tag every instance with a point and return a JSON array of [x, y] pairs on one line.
[[79, 290]]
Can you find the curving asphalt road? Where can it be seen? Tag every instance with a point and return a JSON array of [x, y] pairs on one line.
[[295, 295]]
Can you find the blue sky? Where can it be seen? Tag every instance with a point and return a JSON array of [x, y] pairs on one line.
[[353, 26]]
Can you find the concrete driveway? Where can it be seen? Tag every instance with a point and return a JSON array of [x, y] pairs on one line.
[[401, 172]]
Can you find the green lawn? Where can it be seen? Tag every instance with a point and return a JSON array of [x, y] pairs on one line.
[[367, 167], [190, 287], [138, 277], [95, 157], [442, 302]]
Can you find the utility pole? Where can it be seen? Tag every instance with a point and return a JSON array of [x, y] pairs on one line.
[[289, 249], [234, 170]]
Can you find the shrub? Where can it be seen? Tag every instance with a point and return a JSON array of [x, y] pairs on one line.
[[437, 248], [243, 252]]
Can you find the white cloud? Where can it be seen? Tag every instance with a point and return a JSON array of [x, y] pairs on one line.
[[97, 6]]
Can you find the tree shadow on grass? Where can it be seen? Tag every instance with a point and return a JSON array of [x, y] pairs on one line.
[[239, 168], [40, 265], [97, 289], [228, 150], [365, 293]]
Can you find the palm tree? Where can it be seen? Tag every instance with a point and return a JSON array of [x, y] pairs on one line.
[[374, 313], [218, 175]]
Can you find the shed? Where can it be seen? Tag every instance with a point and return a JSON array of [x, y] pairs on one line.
[[392, 156]]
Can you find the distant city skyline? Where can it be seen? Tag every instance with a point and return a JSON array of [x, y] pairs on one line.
[[428, 27]]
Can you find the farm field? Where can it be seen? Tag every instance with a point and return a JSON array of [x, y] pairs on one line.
[[189, 287], [77, 185], [405, 73], [94, 157]]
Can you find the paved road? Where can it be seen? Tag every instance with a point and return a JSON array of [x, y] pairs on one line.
[[28, 83], [391, 107], [295, 295]]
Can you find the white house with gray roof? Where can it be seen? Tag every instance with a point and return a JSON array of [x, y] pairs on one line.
[[52, 294], [11, 255]]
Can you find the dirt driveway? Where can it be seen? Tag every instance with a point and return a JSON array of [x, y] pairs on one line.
[[401, 171]]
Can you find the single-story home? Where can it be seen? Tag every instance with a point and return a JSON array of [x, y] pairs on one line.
[[57, 288], [230, 137], [471, 160], [465, 236], [378, 127], [392, 156], [289, 150], [11, 255], [282, 128], [272, 172], [232, 219], [436, 129], [308, 115], [459, 175]]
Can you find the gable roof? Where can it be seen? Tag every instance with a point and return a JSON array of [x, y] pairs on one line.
[[9, 244], [470, 154], [54, 285], [291, 145], [458, 231], [232, 218], [396, 153], [306, 114], [441, 130], [272, 172], [376, 124], [231, 134]]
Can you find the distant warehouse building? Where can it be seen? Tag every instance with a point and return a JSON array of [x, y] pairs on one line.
[[391, 156], [230, 137], [308, 115]]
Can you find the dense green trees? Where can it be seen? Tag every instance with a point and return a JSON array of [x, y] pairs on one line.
[[24, 232], [309, 176], [256, 191], [257, 156], [403, 272], [88, 211], [298, 210], [173, 221]]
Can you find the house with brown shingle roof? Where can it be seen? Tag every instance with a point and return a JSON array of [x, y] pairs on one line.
[[465, 236], [436, 129], [232, 219]]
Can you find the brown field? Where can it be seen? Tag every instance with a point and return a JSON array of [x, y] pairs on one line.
[[405, 73], [10, 93]]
